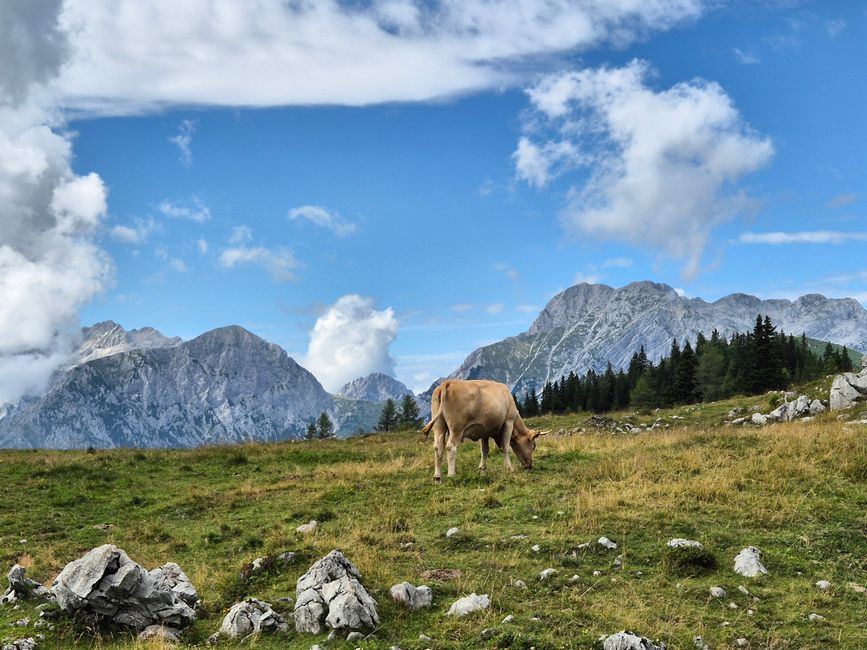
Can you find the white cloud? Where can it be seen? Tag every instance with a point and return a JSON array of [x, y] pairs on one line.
[[278, 262], [462, 307], [527, 309], [49, 265], [193, 210], [664, 164], [847, 198], [495, 308], [507, 270], [173, 263], [241, 235], [747, 58], [328, 51], [680, 292], [806, 237], [617, 263], [351, 339], [135, 234], [202, 245], [184, 140], [321, 217], [538, 164]]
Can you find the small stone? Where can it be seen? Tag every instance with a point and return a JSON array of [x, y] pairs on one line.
[[487, 633], [547, 573], [519, 584], [742, 642], [699, 643], [583, 546], [469, 604], [596, 574], [744, 590], [352, 637], [575, 578], [679, 542], [507, 620], [815, 618], [748, 562], [733, 605], [161, 633], [27, 643], [424, 637], [630, 641], [309, 527], [535, 548], [413, 598], [607, 543], [24, 622], [854, 586], [520, 536], [824, 585], [251, 616], [717, 592], [618, 563], [750, 612], [331, 635], [452, 531]]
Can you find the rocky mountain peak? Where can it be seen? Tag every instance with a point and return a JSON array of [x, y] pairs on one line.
[[375, 387]]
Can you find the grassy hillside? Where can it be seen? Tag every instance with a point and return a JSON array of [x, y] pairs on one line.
[[798, 491]]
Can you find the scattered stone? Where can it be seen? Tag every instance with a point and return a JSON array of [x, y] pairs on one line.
[[679, 542], [487, 633], [535, 548], [618, 563], [107, 585], [27, 643], [103, 526], [597, 573], [266, 563], [699, 643], [507, 620], [718, 592], [158, 632], [547, 573], [424, 637], [309, 527], [575, 578], [521, 536], [742, 642], [452, 531], [629, 641], [748, 562], [251, 616], [607, 543], [352, 637], [442, 575], [411, 597], [331, 594], [789, 411], [21, 587], [815, 618], [583, 546], [854, 586], [744, 590], [824, 585], [759, 419], [331, 636], [733, 605], [469, 604], [750, 612], [519, 584], [817, 408]]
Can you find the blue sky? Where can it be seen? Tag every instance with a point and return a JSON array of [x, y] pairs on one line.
[[415, 197]]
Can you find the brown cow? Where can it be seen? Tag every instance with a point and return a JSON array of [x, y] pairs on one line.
[[478, 410]]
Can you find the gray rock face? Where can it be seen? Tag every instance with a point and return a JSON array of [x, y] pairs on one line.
[[21, 587], [585, 326], [170, 576], [629, 641], [792, 410], [107, 338], [376, 387], [749, 562], [331, 594], [225, 386], [412, 597], [107, 585], [251, 616], [848, 389], [27, 643]]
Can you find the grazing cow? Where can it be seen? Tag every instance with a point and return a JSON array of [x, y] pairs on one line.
[[478, 410]]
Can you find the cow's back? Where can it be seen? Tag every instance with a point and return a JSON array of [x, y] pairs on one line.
[[476, 408]]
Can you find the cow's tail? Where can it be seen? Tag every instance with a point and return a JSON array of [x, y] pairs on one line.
[[435, 416]]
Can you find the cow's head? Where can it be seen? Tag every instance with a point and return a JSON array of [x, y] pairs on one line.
[[524, 444]]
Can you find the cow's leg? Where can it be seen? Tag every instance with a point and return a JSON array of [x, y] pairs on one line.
[[483, 465], [452, 446], [507, 444], [439, 436]]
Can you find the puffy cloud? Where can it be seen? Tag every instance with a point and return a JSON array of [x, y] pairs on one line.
[[278, 262], [49, 265], [193, 210], [328, 51], [507, 270], [538, 164], [351, 339], [663, 165], [241, 235], [321, 217], [138, 233], [617, 263], [805, 237], [183, 140], [202, 245]]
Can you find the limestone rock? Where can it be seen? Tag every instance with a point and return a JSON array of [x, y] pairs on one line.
[[607, 543], [331, 594], [759, 419], [547, 573], [309, 527], [469, 604], [717, 592], [251, 616], [27, 643], [170, 576], [824, 585], [107, 585], [749, 562], [679, 542], [817, 408], [848, 389], [412, 597], [22, 587], [629, 641], [452, 531], [157, 632]]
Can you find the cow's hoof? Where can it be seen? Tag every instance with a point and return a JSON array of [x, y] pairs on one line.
[[438, 479]]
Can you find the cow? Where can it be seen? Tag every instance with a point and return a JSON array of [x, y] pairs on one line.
[[478, 410]]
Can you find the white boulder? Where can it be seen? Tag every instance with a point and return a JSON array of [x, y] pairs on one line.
[[679, 542], [607, 543], [748, 562], [251, 616], [411, 597], [309, 527], [629, 641], [469, 604], [848, 389]]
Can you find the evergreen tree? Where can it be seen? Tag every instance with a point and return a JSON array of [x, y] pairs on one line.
[[846, 361], [388, 417], [685, 383], [409, 416], [531, 404], [311, 433], [326, 426]]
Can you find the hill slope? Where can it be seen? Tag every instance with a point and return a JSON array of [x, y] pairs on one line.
[[586, 326]]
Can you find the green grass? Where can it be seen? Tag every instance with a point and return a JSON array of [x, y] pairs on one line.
[[798, 491]]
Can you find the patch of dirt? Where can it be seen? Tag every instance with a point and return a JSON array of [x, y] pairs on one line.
[[442, 575], [25, 560]]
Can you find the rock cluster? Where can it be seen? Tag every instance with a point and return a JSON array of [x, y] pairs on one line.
[[249, 617], [786, 412], [849, 388], [109, 586], [21, 587], [27, 643], [630, 641], [331, 594]]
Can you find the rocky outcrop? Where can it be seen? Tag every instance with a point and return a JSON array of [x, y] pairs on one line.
[[21, 587], [849, 388], [630, 641], [251, 616], [109, 587], [376, 387], [410, 596], [331, 595]]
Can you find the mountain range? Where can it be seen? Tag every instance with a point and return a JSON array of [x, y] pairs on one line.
[[140, 388]]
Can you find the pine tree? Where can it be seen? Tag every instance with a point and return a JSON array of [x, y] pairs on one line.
[[326, 426], [311, 433], [531, 404], [388, 417], [409, 413], [685, 384]]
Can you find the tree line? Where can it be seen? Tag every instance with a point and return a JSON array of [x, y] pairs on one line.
[[715, 368]]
